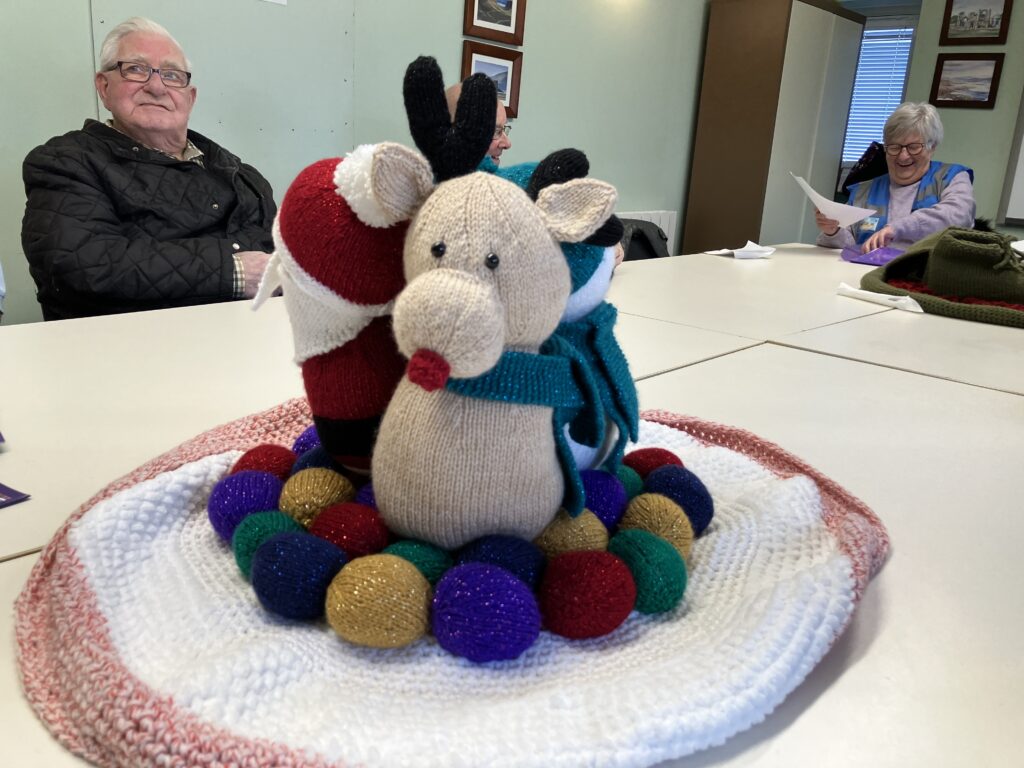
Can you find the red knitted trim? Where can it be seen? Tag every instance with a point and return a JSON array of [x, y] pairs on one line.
[[861, 535], [913, 286]]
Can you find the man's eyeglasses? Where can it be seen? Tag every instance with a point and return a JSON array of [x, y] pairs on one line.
[[502, 130], [912, 149], [138, 72]]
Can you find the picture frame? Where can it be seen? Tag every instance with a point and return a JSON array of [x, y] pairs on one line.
[[966, 80], [503, 65], [975, 22], [498, 20]]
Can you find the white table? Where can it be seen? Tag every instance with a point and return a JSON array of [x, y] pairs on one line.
[[793, 291]]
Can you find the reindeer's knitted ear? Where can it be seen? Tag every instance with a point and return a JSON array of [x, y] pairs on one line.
[[574, 210], [453, 149], [400, 180], [608, 234]]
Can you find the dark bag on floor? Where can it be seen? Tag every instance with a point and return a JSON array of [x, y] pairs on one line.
[[643, 240]]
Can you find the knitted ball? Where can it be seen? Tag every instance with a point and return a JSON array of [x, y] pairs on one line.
[[605, 496], [275, 459], [253, 531], [644, 460], [686, 490], [658, 569], [310, 491], [521, 558], [484, 613], [365, 496], [238, 495], [567, 534], [633, 483], [291, 573], [356, 528], [661, 516], [380, 601], [307, 441], [430, 560], [586, 594], [317, 456]]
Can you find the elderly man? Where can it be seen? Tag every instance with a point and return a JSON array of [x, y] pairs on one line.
[[140, 212], [502, 129]]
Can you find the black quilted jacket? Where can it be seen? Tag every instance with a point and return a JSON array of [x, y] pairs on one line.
[[111, 226]]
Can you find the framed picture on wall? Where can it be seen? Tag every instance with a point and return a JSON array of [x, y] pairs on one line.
[[503, 65], [498, 20], [975, 22], [969, 80]]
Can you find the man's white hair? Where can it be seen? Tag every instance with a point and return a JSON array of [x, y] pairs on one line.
[[111, 43]]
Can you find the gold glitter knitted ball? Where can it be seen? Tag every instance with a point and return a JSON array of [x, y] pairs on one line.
[[380, 601], [310, 491], [572, 534], [658, 514]]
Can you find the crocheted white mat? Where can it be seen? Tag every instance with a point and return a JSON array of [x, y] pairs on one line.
[[140, 642]]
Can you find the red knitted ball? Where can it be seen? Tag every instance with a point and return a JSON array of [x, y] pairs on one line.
[[645, 460], [275, 459], [358, 529], [586, 594]]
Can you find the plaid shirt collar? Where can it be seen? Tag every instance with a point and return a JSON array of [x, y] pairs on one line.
[[192, 153]]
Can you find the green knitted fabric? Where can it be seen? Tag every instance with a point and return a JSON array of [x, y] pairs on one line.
[[657, 567], [253, 531], [633, 483], [429, 560], [958, 263]]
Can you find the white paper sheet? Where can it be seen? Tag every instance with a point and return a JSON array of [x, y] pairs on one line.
[[907, 303], [844, 214], [749, 251]]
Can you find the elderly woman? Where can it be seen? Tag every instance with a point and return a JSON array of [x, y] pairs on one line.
[[918, 196]]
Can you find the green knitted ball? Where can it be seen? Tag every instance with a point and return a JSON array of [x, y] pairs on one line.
[[631, 479], [431, 561], [253, 531], [658, 569]]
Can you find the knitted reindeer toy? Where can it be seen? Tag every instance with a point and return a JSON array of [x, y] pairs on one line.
[[471, 443]]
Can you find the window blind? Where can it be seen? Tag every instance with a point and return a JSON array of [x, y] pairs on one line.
[[880, 81]]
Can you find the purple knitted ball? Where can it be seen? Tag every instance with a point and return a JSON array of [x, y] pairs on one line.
[[605, 496], [522, 558], [365, 496], [686, 490], [484, 613], [241, 494], [291, 573], [307, 441], [316, 456]]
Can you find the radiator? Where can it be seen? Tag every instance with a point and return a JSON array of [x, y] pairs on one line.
[[664, 219]]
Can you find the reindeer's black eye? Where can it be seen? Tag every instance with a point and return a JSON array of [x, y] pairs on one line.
[[438, 249], [492, 261]]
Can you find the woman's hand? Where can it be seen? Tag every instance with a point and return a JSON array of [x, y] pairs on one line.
[[880, 239], [827, 226]]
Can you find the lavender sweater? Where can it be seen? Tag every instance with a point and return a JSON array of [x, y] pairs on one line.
[[954, 209]]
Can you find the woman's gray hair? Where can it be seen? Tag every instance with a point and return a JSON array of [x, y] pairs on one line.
[[912, 117], [108, 51]]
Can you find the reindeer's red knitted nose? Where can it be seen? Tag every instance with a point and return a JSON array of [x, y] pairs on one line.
[[428, 369]]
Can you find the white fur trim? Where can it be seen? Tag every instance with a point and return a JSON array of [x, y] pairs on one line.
[[354, 180]]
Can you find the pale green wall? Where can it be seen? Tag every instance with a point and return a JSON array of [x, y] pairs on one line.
[[617, 78], [979, 138]]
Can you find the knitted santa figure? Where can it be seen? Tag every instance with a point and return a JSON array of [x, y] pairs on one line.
[[338, 258]]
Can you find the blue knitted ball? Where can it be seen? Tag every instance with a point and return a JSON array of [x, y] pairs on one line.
[[605, 496], [522, 558], [291, 573], [365, 496], [307, 441], [686, 490], [253, 531], [238, 495], [316, 456], [484, 613]]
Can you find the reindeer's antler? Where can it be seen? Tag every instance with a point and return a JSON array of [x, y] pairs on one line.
[[453, 149]]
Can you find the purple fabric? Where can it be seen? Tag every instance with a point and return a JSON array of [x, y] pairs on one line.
[[955, 209]]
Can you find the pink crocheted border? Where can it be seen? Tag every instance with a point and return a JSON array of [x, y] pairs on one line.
[[68, 662]]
